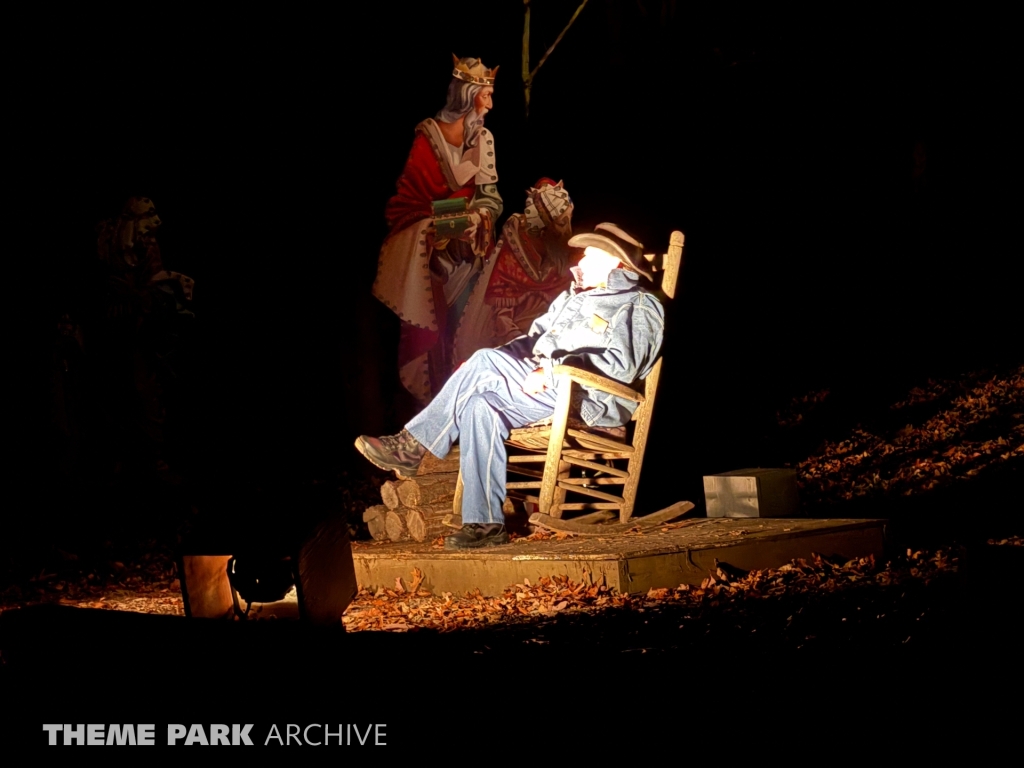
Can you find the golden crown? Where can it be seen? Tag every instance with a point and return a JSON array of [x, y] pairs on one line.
[[477, 74]]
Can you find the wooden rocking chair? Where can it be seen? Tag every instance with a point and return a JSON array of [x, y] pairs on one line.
[[585, 462]]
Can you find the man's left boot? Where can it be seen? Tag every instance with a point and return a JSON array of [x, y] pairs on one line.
[[477, 535]]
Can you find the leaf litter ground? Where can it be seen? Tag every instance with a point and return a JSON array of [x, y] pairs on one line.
[[942, 433]]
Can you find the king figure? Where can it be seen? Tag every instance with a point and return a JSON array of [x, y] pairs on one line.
[[441, 224]]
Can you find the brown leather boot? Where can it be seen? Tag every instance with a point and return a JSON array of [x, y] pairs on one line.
[[477, 535]]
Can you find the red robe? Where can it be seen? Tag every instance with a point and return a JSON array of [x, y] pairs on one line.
[[520, 270], [403, 274], [422, 181]]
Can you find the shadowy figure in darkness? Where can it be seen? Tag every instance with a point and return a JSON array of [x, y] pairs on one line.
[[115, 357]]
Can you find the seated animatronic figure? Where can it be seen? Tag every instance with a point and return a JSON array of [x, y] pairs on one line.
[[605, 322]]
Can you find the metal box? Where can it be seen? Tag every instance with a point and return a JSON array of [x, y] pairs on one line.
[[752, 493]]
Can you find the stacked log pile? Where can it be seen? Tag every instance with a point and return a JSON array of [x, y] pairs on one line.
[[415, 508]]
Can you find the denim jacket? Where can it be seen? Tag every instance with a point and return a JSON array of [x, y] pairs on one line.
[[615, 331]]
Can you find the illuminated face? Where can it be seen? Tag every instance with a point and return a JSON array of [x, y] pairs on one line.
[[482, 103], [595, 267]]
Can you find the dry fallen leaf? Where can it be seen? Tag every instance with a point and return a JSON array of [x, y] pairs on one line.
[[417, 579]]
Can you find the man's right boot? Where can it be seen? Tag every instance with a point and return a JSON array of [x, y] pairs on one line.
[[401, 453], [477, 535]]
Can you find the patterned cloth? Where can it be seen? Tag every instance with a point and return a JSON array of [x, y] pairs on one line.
[[527, 269]]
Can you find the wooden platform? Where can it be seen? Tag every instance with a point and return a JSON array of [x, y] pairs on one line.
[[665, 557]]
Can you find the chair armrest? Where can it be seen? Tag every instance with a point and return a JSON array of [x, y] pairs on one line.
[[597, 381]]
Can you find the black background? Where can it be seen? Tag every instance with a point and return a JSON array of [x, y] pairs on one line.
[[781, 143]]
